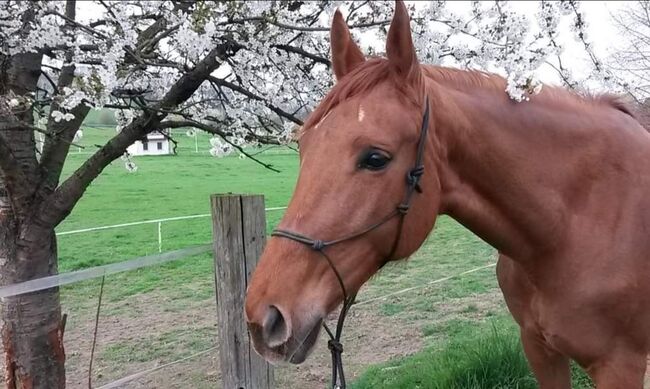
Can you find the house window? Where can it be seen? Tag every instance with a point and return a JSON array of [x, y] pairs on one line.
[[145, 145], [159, 145]]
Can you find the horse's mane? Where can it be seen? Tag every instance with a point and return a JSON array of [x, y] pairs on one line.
[[617, 102], [464, 79], [376, 70], [469, 79]]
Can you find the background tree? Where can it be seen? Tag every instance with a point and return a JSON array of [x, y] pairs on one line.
[[630, 62], [247, 72]]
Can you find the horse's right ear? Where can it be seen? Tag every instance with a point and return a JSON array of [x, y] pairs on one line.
[[346, 55]]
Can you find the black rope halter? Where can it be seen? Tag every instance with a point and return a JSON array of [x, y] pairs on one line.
[[412, 185]]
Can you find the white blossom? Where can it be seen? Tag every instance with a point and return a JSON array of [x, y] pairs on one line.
[[130, 166], [124, 118], [58, 116], [219, 147], [115, 66]]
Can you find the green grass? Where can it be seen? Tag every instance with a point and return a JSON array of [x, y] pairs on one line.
[[165, 347], [163, 186], [488, 357]]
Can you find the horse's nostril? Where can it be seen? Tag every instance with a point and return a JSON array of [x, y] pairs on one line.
[[274, 329]]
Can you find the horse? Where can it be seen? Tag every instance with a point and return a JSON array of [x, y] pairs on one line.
[[559, 185]]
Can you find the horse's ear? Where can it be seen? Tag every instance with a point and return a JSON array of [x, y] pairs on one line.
[[399, 45], [346, 55]]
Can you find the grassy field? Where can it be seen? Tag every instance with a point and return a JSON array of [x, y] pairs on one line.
[[484, 356], [156, 315], [163, 186]]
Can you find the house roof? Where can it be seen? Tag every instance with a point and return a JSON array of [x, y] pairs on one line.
[[156, 136]]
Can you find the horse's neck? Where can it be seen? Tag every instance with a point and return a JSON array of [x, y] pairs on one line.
[[509, 172]]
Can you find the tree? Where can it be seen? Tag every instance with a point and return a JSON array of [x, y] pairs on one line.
[[630, 62], [247, 72]]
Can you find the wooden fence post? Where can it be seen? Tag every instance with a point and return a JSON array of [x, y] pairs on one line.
[[239, 234]]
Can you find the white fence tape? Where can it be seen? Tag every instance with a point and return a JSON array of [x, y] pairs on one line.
[[152, 221], [439, 280], [99, 271], [120, 383]]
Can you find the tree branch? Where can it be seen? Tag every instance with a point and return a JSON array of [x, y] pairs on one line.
[[234, 87], [216, 131], [92, 31], [60, 203], [299, 51], [56, 147], [49, 79], [301, 28]]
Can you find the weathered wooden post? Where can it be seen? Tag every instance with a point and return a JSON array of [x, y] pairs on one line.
[[239, 232]]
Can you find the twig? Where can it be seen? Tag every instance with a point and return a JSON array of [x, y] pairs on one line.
[[216, 131], [236, 88], [92, 31], [354, 9], [52, 83], [304, 53], [301, 28], [92, 350], [273, 147], [169, 138]]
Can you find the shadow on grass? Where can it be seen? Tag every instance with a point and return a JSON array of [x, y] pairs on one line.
[[488, 357]]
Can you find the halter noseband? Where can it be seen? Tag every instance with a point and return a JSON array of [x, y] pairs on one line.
[[412, 185]]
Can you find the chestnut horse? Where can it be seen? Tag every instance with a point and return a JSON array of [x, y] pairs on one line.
[[559, 185]]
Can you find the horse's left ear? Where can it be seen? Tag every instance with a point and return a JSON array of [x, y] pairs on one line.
[[399, 45]]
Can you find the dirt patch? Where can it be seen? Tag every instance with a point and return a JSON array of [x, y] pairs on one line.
[[480, 304], [368, 339], [141, 317]]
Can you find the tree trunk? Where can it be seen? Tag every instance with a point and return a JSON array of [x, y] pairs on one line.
[[31, 329]]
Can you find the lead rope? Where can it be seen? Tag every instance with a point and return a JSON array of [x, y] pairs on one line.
[[412, 185]]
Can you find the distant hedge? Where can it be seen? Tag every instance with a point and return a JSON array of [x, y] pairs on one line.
[[101, 117]]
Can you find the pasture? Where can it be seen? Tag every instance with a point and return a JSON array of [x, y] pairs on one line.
[[452, 333]]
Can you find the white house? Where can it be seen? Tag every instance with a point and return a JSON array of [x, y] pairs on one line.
[[154, 144]]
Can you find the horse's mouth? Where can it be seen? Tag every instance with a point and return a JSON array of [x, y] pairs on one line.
[[304, 348]]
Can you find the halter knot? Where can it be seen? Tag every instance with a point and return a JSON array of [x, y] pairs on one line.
[[318, 245], [335, 346], [414, 174], [413, 177], [403, 209]]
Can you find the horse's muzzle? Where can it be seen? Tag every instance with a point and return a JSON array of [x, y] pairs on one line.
[[277, 340]]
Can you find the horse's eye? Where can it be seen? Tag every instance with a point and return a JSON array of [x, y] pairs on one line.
[[374, 160]]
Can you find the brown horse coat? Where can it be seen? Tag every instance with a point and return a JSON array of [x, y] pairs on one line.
[[558, 184]]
